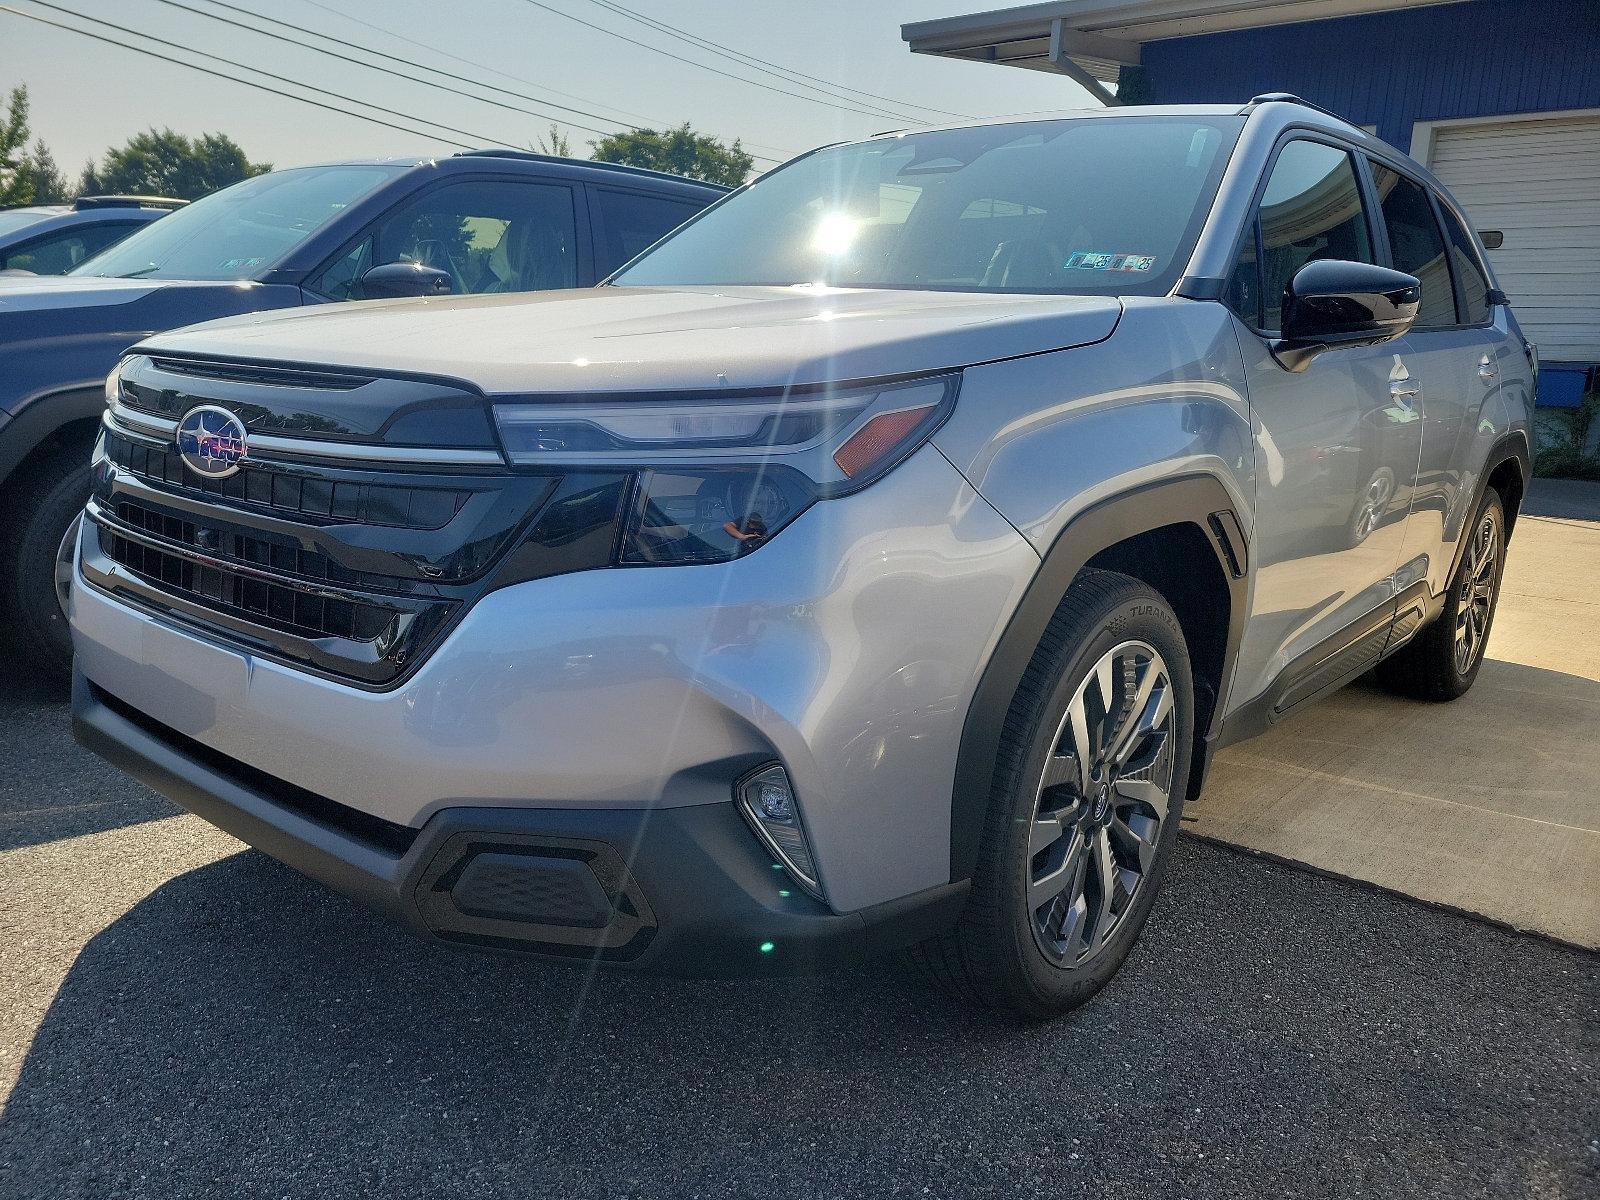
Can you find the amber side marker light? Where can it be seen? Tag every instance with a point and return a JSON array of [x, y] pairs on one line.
[[878, 438]]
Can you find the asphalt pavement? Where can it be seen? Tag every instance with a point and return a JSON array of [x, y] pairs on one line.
[[183, 1018]]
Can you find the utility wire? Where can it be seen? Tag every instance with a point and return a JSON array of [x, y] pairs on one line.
[[481, 66], [310, 87], [545, 116], [659, 52], [466, 62], [235, 79], [766, 67]]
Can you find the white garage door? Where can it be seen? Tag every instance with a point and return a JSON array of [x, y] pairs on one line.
[[1539, 183]]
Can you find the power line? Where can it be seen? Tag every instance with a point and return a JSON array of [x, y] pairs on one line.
[[658, 51], [234, 79], [787, 74], [544, 116], [482, 66], [149, 37]]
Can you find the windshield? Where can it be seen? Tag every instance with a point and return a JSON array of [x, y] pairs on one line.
[[21, 218], [240, 231], [1096, 204]]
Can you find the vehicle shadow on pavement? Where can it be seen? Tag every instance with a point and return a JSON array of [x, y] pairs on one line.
[[243, 1031], [47, 795]]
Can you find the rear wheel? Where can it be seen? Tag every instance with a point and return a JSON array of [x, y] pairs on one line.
[[1442, 661], [1089, 785], [41, 514]]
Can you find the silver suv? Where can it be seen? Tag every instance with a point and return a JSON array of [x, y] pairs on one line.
[[876, 562]]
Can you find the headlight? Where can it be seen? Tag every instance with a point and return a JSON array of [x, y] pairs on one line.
[[718, 477], [114, 385]]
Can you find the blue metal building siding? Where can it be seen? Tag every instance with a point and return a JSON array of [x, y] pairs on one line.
[[1473, 59]]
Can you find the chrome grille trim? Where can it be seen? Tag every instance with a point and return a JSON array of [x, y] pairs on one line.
[[121, 419]]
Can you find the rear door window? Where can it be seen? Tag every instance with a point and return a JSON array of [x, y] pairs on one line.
[[58, 253], [631, 222], [1416, 246]]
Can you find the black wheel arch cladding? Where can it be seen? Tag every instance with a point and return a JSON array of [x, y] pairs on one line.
[[1186, 501]]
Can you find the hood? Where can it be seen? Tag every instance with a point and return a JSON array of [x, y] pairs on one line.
[[636, 339], [25, 293]]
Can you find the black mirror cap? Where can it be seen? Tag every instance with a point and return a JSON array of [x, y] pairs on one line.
[[1492, 239], [394, 280], [1332, 303]]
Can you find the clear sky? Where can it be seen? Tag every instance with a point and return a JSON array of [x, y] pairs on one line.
[[88, 95]]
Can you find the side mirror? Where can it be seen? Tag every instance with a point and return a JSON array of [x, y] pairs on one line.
[[1492, 239], [1332, 304], [396, 279]]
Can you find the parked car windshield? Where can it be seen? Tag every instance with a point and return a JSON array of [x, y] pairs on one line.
[[239, 231], [1089, 205]]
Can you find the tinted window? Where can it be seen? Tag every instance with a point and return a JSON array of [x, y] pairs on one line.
[[1096, 204], [58, 253], [1311, 210], [1470, 279], [1244, 285], [488, 236], [1415, 243], [632, 223], [242, 230]]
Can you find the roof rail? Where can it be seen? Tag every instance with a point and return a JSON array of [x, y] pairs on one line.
[[1290, 98], [166, 202], [620, 168]]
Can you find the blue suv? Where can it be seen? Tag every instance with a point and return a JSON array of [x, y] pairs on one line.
[[480, 222]]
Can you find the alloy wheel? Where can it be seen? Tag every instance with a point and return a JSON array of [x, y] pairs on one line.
[[1476, 599], [1101, 804]]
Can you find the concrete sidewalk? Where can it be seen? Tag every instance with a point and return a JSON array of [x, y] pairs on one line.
[[1490, 804]]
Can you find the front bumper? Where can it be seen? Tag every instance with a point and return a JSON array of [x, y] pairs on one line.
[[848, 650], [680, 890]]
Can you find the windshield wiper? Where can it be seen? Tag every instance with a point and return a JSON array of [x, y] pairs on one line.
[[139, 272]]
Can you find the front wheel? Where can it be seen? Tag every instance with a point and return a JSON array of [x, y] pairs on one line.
[[35, 560], [1089, 785]]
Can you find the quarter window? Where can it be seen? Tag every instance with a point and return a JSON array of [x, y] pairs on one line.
[[1311, 210], [1416, 245], [1471, 283]]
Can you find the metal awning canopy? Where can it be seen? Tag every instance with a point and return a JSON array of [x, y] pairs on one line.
[[1091, 40]]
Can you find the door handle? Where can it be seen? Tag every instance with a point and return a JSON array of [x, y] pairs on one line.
[[1487, 370]]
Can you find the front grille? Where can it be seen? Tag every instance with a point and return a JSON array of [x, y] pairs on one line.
[[336, 558], [281, 606], [366, 502]]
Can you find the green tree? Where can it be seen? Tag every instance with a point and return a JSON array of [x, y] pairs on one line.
[[50, 186], [16, 184], [555, 142], [680, 151], [164, 163]]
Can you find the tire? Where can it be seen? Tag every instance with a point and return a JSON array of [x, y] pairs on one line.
[[1021, 947], [1441, 662], [42, 507]]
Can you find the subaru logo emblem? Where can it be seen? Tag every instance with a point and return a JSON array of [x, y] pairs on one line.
[[211, 441]]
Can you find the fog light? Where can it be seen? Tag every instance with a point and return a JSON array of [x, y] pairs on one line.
[[767, 801]]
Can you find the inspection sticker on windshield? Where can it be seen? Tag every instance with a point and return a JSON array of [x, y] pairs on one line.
[[1089, 260]]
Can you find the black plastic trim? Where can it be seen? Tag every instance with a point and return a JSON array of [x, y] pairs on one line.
[[1189, 500]]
